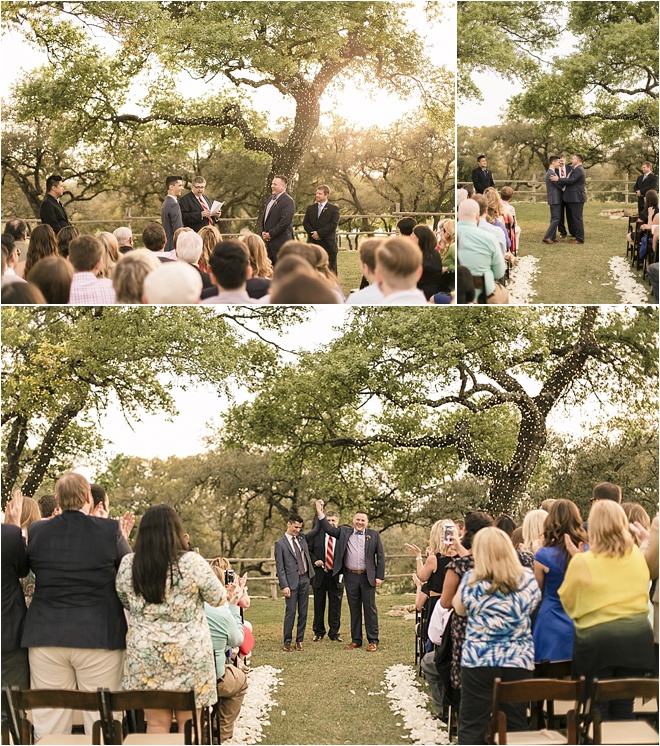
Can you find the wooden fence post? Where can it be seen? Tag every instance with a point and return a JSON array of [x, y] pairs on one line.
[[627, 188], [534, 188], [273, 573]]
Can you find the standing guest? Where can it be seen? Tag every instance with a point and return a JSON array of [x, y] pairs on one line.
[[75, 627], [124, 236], [129, 275], [532, 534], [645, 181], [371, 293], [42, 243], [111, 253], [320, 223], [649, 548], [196, 206], [52, 211], [64, 238], [606, 593], [363, 564], [636, 515], [211, 237], [262, 268], [553, 629], [326, 584], [398, 270], [482, 178], [294, 570], [48, 506], [505, 523], [575, 195], [275, 225], [170, 211], [164, 588], [497, 597], [85, 254], [606, 491]]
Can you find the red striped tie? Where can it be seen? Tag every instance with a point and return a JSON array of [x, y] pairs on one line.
[[205, 207], [329, 553]]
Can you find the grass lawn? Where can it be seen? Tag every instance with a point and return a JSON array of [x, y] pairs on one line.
[[570, 273], [324, 690], [350, 274]]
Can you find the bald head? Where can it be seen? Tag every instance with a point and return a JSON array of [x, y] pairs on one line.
[[469, 210]]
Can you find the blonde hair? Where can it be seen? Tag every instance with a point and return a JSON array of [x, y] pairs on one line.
[[210, 237], [495, 560], [71, 491], [449, 227], [110, 255], [494, 204], [128, 277], [30, 512], [178, 232], [315, 255], [436, 537], [219, 565], [608, 529], [259, 261], [532, 529]]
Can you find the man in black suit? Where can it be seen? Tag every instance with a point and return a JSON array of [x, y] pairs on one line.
[[196, 206], [363, 564], [322, 550], [645, 181], [575, 195], [275, 225], [482, 178], [294, 571], [554, 196], [170, 211], [321, 221], [52, 212], [15, 670], [562, 170], [75, 627]]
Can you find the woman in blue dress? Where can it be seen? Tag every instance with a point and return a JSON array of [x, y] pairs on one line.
[[554, 631]]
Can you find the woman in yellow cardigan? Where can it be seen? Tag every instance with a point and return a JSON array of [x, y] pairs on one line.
[[606, 592]]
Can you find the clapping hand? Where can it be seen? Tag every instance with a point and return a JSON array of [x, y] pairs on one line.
[[14, 508], [126, 523], [99, 511], [414, 549], [570, 546], [638, 530]]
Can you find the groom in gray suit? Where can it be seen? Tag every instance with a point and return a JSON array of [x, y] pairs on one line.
[[554, 200], [294, 570], [170, 212]]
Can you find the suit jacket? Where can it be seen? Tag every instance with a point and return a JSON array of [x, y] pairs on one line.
[[482, 181], [575, 184], [325, 225], [53, 214], [316, 543], [374, 552], [15, 565], [75, 558], [553, 190], [191, 211], [279, 222], [170, 216], [286, 563], [643, 185]]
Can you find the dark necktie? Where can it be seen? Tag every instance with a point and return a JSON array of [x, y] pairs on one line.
[[299, 557]]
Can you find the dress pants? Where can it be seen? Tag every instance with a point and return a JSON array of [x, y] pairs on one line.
[[15, 672], [562, 220], [329, 589], [574, 212], [477, 701], [71, 668], [359, 595], [555, 217], [430, 671], [298, 601]]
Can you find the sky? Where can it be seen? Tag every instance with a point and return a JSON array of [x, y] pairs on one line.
[[364, 107]]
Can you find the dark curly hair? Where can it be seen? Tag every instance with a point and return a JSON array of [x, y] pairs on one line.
[[474, 522], [563, 518]]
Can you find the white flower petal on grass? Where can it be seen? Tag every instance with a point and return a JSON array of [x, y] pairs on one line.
[[521, 278], [263, 683], [408, 701], [629, 289]]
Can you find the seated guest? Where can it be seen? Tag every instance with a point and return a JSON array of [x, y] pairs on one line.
[[21, 294], [480, 253], [398, 269], [42, 243], [498, 597], [174, 282], [226, 627], [128, 277], [155, 239], [491, 229], [301, 290], [262, 268], [111, 253], [188, 246], [85, 254], [64, 238], [10, 260], [211, 237], [230, 270], [317, 257], [465, 290], [430, 282], [124, 236], [447, 238], [75, 628], [17, 228], [286, 269], [405, 227], [53, 276], [461, 196], [372, 293], [606, 592], [509, 213]]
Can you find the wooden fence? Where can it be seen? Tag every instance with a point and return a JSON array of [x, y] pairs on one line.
[[271, 578], [537, 188]]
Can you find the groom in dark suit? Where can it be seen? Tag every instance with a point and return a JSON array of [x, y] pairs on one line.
[[294, 570], [275, 225], [575, 195], [554, 196], [482, 178], [52, 211], [646, 181], [321, 221], [363, 564]]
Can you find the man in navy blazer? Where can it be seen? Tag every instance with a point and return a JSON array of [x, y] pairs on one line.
[[294, 570], [320, 223], [363, 564], [275, 225], [75, 627]]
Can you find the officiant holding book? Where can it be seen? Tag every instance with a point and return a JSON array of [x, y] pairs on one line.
[[197, 210]]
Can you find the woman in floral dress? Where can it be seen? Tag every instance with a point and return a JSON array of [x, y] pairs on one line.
[[168, 645]]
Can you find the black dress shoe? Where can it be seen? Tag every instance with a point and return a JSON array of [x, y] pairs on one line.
[[316, 638], [336, 639]]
